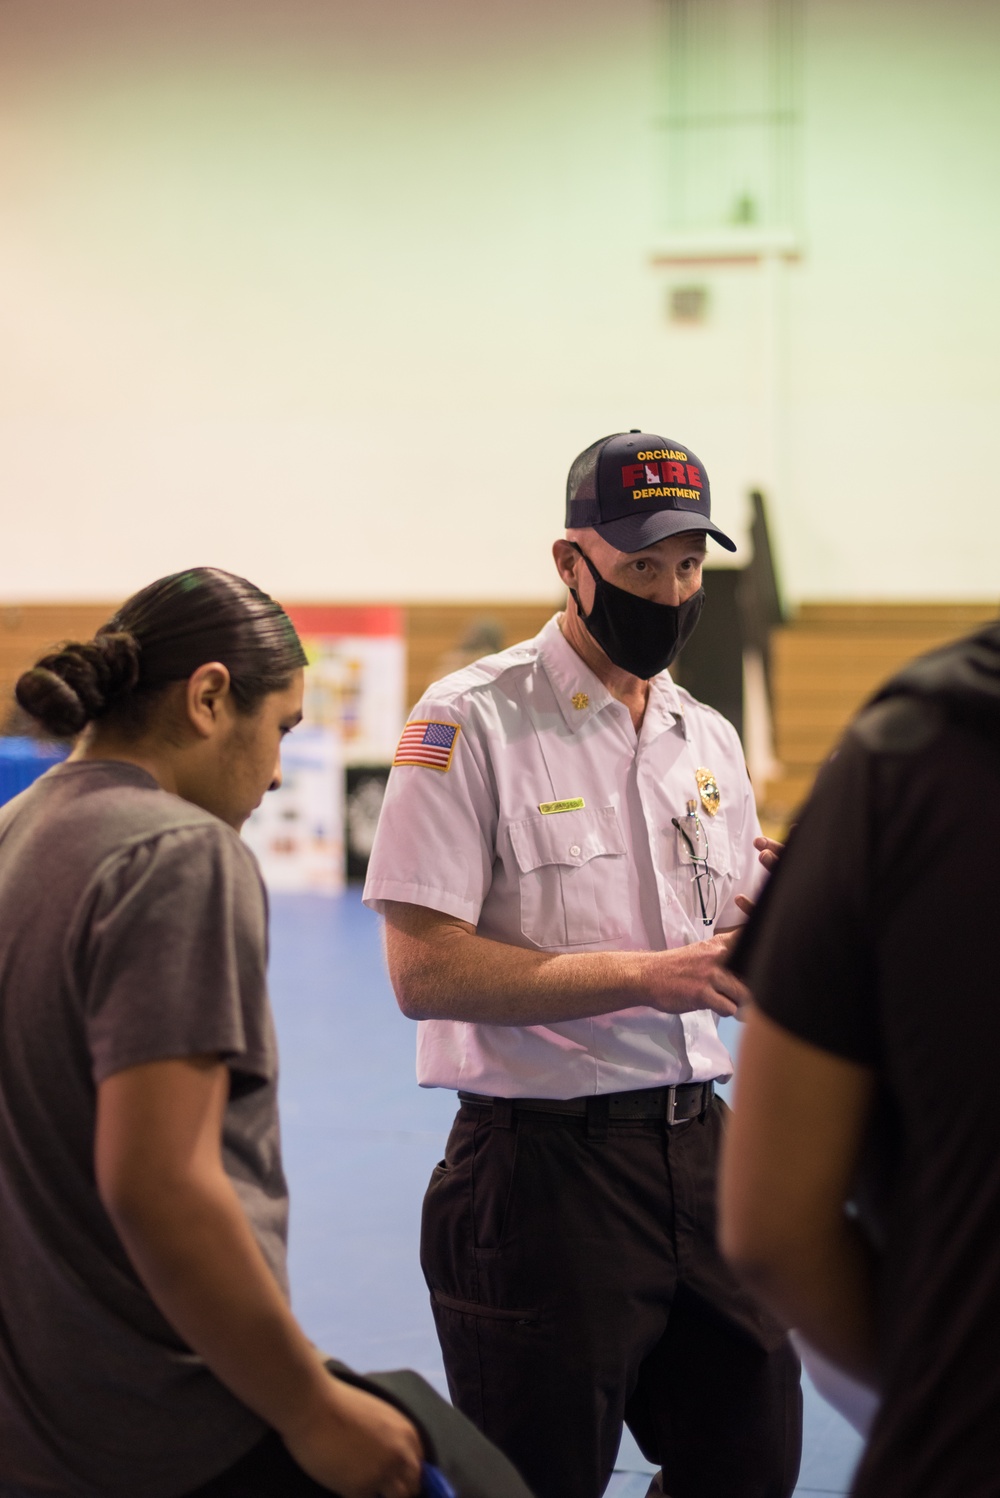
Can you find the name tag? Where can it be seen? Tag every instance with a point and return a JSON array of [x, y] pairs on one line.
[[548, 807]]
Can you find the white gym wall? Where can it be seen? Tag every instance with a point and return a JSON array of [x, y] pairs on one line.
[[329, 294]]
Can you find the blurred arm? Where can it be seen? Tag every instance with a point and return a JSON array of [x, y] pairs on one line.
[[788, 1167]]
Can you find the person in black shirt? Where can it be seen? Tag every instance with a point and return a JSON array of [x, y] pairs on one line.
[[861, 1181]]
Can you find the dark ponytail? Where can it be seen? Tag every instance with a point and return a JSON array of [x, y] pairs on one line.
[[79, 682], [163, 634]]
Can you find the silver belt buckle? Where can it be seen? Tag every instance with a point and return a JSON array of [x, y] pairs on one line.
[[671, 1105]]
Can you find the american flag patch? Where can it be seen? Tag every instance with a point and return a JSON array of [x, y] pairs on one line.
[[430, 744]]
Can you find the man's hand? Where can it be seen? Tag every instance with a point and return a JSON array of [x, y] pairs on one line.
[[696, 977], [769, 851], [358, 1445]]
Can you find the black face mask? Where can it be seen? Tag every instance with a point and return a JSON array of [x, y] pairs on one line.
[[638, 635]]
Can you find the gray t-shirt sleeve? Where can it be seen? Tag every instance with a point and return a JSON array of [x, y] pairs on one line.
[[169, 953]]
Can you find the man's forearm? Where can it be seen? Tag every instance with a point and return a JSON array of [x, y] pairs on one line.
[[489, 982], [442, 969]]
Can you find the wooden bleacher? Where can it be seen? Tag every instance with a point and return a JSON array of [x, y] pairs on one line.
[[826, 661], [28, 630], [439, 636], [435, 632]]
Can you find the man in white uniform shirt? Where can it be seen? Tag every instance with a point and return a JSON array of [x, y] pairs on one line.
[[558, 859]]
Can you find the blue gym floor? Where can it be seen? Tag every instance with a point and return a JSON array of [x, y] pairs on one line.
[[360, 1140]]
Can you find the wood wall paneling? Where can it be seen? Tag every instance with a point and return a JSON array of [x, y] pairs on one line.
[[28, 631], [440, 637], [826, 661], [436, 636]]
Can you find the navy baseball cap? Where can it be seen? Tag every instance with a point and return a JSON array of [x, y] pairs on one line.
[[634, 489]]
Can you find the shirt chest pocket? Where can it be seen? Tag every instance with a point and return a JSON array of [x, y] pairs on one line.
[[573, 875]]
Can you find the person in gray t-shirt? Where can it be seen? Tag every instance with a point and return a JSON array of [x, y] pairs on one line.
[[146, 1344]]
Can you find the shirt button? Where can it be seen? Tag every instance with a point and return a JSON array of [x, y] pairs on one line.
[[574, 852]]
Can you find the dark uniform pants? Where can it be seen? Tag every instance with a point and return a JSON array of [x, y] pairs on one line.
[[576, 1285]]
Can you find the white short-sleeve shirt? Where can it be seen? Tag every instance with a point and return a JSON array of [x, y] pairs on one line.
[[472, 829]]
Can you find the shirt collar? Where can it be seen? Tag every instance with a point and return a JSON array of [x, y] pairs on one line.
[[581, 694], [664, 707]]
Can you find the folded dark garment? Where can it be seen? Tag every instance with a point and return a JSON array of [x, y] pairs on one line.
[[472, 1464]]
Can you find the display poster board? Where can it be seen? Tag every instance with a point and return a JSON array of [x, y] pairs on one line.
[[297, 831], [356, 681], [365, 787], [354, 711]]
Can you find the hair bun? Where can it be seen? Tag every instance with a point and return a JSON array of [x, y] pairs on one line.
[[79, 682]]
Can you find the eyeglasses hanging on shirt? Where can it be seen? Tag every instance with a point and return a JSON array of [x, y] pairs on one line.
[[692, 846]]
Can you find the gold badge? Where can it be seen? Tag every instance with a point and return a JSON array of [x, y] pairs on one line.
[[708, 788], [580, 700]]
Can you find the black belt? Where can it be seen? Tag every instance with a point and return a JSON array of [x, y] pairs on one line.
[[670, 1104]]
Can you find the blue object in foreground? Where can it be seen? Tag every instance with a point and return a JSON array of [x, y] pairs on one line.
[[22, 761], [434, 1483]]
